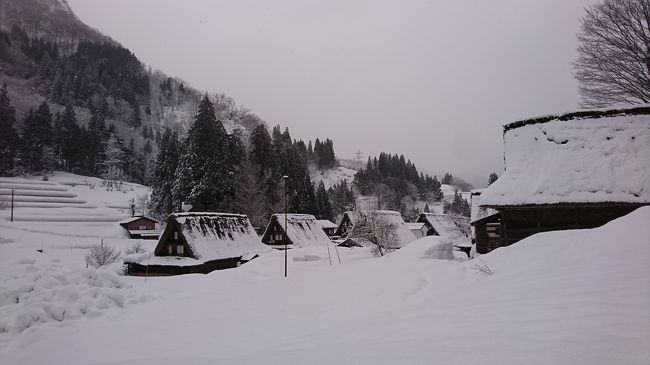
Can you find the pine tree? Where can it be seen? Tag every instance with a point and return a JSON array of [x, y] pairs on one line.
[[493, 177], [136, 120], [427, 209], [323, 201], [9, 140], [36, 134]]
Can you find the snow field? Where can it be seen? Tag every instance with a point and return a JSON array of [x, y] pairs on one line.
[[559, 297]]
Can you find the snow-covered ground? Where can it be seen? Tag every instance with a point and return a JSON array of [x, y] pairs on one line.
[[333, 176], [560, 297]]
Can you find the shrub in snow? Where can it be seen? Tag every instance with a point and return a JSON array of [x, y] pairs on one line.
[[101, 255], [376, 228], [136, 248], [442, 250]]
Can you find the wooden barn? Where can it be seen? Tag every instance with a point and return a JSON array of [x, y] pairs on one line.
[[141, 227], [570, 171], [328, 227], [303, 230], [199, 242]]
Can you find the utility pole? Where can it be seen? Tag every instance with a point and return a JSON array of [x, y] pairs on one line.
[[284, 179], [12, 205]]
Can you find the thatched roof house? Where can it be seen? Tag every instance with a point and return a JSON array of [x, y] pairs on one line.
[[451, 226], [203, 242], [303, 230], [575, 170], [404, 234]]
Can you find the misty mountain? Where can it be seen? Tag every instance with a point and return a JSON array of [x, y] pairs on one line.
[[48, 54]]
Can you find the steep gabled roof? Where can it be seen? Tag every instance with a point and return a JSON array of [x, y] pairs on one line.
[[135, 218], [324, 223], [577, 158], [214, 236], [302, 229], [451, 226], [403, 232]]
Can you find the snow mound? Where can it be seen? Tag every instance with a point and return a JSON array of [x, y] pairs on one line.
[[50, 294]]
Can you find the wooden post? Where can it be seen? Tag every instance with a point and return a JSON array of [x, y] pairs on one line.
[[12, 205]]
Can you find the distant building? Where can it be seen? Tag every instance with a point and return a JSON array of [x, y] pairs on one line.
[[569, 171], [419, 230], [403, 232], [486, 224], [201, 242], [328, 227], [141, 227], [346, 223], [303, 230]]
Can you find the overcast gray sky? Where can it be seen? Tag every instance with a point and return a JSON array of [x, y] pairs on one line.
[[433, 80]]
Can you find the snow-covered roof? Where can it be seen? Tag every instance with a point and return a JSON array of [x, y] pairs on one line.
[[324, 223], [133, 219], [584, 157], [452, 226], [302, 229], [415, 226], [477, 211], [213, 236], [403, 232]]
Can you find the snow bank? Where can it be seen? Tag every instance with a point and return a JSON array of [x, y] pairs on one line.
[[41, 295], [575, 161]]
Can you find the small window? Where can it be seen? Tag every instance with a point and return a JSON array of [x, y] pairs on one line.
[[179, 249], [170, 250], [175, 235], [143, 227]]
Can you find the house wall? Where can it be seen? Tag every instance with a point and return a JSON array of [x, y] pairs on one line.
[[136, 269], [344, 226], [141, 223], [171, 242], [488, 237], [275, 234], [518, 223]]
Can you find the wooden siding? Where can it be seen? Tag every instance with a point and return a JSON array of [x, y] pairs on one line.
[[136, 269], [275, 231]]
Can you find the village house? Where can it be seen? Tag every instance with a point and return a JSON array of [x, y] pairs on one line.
[[485, 223], [403, 232], [419, 230], [303, 230], [141, 227], [200, 242], [328, 227], [569, 171], [453, 227], [346, 223]]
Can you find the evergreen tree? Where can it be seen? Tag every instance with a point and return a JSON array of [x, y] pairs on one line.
[[9, 140], [136, 120], [36, 134], [323, 201], [68, 137], [493, 177], [448, 179], [427, 209], [207, 146]]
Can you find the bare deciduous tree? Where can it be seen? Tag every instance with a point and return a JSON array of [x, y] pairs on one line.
[[383, 193], [100, 255], [375, 228], [613, 64]]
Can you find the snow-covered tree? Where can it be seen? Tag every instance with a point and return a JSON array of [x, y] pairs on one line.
[[377, 229], [493, 178]]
